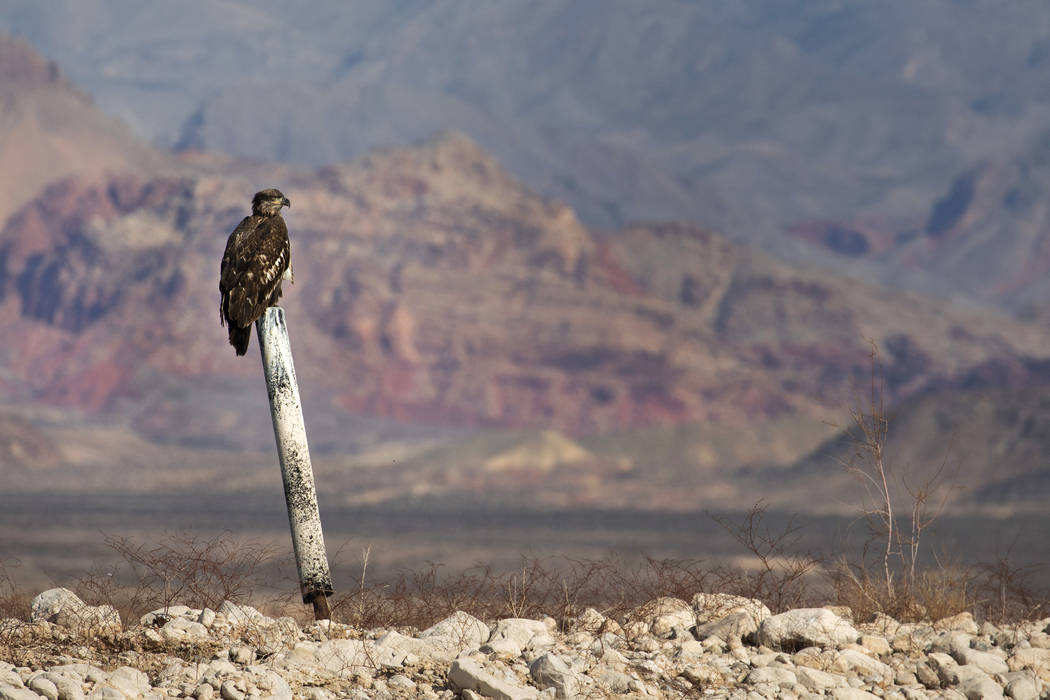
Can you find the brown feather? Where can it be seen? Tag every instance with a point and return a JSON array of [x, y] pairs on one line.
[[257, 255]]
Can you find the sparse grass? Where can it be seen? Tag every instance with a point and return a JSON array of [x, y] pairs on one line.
[[783, 577], [202, 573], [933, 594], [558, 587], [1004, 591], [181, 569], [14, 603], [187, 569]]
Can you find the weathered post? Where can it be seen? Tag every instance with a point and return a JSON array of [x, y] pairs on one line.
[[315, 580]]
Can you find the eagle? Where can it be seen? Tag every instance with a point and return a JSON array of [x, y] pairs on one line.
[[258, 258]]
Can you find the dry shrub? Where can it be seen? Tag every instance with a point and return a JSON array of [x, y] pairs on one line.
[[783, 577], [1006, 592], [14, 610], [560, 587], [932, 594], [14, 603], [182, 569]]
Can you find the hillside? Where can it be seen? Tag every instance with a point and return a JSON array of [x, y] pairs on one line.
[[437, 299], [750, 117], [435, 294], [986, 433], [435, 289], [51, 130]]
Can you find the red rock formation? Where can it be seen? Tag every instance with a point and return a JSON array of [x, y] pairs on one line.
[[431, 287]]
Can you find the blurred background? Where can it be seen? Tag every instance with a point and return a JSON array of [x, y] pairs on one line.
[[570, 276]]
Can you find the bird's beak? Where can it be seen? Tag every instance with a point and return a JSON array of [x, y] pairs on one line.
[[287, 202]]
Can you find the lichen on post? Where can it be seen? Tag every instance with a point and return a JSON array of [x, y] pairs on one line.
[[315, 579]]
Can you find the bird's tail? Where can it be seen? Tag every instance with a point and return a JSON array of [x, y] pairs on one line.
[[240, 337]]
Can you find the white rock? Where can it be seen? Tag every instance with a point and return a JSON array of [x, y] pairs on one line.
[[243, 614], [270, 683], [663, 615], [885, 625], [703, 674], [876, 645], [609, 655], [777, 675], [394, 648], [976, 684], [987, 661], [52, 601], [1023, 689], [506, 648], [129, 681], [461, 630], [42, 686], [944, 665], [594, 622], [402, 682], [10, 692], [859, 662], [161, 615], [524, 633], [692, 649], [230, 691], [342, 656], [207, 617], [468, 674], [1029, 658], [912, 638], [818, 681], [760, 659], [963, 622], [709, 607], [78, 672], [806, 627], [612, 681], [852, 694], [68, 689], [183, 629], [733, 627], [241, 654], [215, 667]]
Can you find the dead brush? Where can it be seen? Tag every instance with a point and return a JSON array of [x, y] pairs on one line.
[[783, 577], [933, 594], [1007, 592], [14, 604], [14, 611], [560, 587], [903, 588], [181, 569]]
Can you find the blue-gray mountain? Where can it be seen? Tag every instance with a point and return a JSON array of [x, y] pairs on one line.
[[747, 117]]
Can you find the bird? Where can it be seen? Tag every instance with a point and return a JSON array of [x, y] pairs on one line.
[[257, 259]]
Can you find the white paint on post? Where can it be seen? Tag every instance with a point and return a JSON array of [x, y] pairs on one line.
[[315, 580]]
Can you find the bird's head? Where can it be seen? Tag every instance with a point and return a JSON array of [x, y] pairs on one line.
[[269, 202]]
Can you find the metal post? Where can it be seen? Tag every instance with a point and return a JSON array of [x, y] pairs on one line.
[[315, 580]]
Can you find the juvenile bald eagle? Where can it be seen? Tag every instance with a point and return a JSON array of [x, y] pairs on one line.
[[258, 257]]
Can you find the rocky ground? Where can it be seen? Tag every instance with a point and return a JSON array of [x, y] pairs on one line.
[[716, 646]]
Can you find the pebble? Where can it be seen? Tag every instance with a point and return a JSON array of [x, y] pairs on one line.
[[666, 648]]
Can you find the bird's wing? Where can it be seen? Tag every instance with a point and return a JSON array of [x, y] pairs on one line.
[[257, 254]]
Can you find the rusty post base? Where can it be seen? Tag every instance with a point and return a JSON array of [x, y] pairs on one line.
[[321, 609]]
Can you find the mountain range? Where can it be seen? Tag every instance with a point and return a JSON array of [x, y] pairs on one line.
[[863, 125], [454, 332]]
